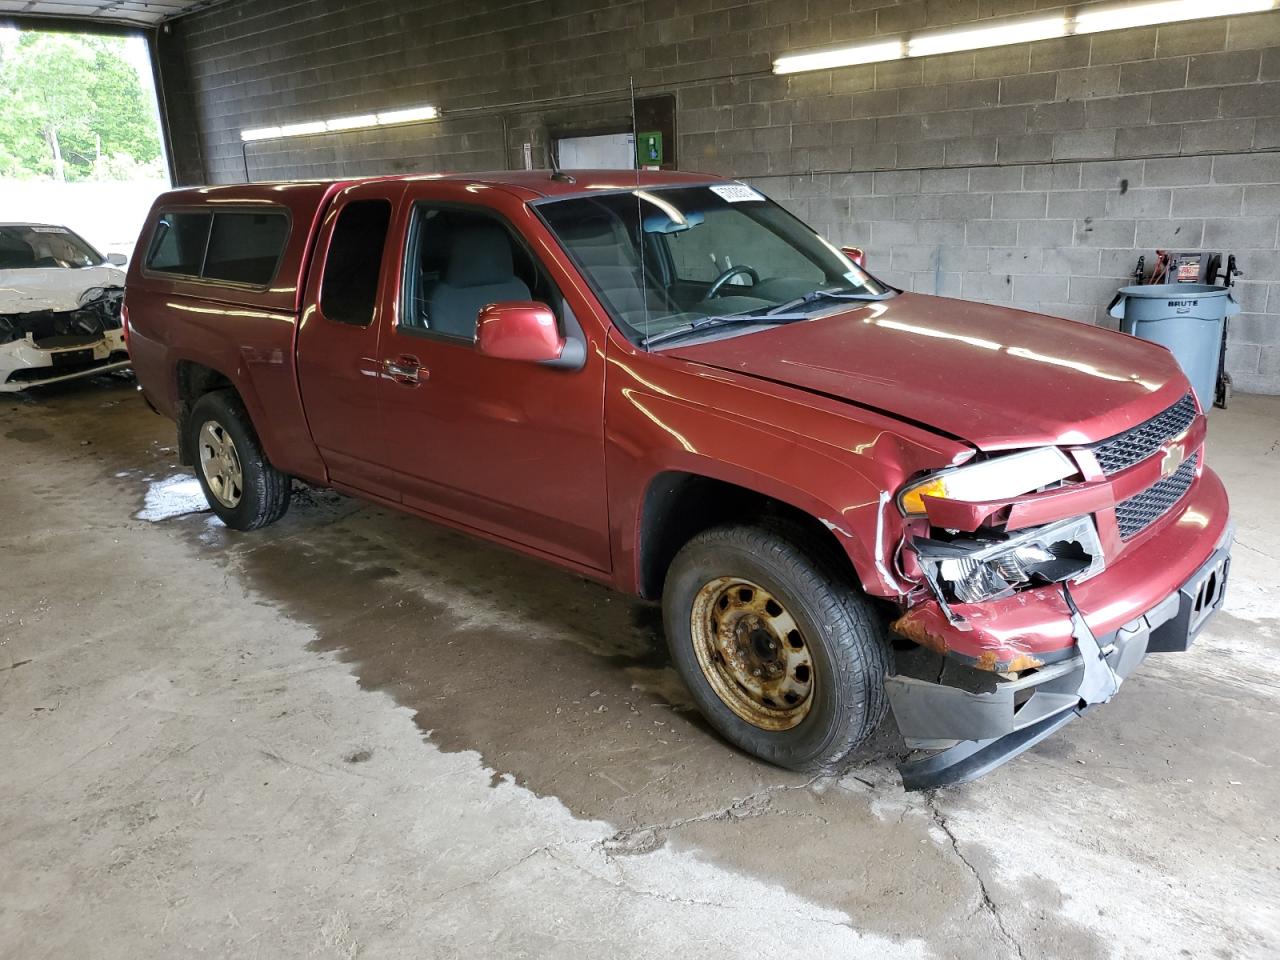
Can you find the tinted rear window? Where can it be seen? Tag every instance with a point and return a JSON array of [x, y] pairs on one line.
[[178, 243], [244, 247], [230, 246]]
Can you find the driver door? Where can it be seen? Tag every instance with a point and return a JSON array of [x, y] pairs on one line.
[[508, 448]]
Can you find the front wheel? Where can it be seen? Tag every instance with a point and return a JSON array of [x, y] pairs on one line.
[[241, 485], [783, 657]]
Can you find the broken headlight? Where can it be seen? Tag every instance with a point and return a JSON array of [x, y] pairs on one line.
[[973, 569], [1010, 475]]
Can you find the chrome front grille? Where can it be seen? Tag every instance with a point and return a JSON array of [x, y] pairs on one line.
[[1133, 446], [1143, 509]]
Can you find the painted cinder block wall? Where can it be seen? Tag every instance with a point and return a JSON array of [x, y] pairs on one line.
[[1032, 175]]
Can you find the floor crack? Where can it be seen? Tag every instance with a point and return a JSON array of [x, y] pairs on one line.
[[987, 903], [646, 838], [621, 883], [485, 880]]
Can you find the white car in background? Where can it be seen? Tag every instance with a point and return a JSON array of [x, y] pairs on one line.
[[59, 307]]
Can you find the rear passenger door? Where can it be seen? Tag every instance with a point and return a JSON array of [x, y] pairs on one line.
[[337, 352], [512, 449]]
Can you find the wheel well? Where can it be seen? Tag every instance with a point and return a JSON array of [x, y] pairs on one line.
[[194, 381], [678, 506]]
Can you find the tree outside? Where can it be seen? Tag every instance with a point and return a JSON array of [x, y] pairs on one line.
[[79, 135], [74, 109]]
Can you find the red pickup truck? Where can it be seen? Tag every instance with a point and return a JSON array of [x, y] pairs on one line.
[[668, 383]]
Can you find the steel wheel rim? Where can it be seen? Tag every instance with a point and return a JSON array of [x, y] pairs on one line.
[[220, 464], [752, 653]]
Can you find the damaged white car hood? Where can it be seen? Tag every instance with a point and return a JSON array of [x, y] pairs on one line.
[[52, 288]]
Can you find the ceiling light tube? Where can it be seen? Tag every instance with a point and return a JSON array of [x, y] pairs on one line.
[[302, 129], [1003, 32], [844, 57], [410, 115], [361, 122], [352, 123], [996, 36], [1098, 20], [260, 133]]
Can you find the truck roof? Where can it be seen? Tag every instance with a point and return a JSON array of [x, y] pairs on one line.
[[306, 200], [535, 183]]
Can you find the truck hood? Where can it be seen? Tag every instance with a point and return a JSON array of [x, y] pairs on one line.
[[52, 288], [994, 377]]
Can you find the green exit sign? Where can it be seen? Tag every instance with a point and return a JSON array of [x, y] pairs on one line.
[[649, 149]]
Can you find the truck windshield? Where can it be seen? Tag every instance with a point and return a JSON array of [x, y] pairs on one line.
[[26, 246], [667, 260]]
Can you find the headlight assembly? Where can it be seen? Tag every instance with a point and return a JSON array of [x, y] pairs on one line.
[[974, 569], [1010, 475], [90, 295]]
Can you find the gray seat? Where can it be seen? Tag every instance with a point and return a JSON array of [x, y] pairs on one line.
[[479, 273], [608, 255]]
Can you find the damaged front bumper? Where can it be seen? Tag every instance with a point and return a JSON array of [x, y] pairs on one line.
[[977, 719], [25, 364], [48, 346]]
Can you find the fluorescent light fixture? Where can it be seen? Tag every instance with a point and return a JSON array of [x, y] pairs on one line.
[[1097, 20], [844, 57], [261, 133], [411, 115], [999, 33], [998, 36], [364, 121], [302, 129], [352, 123]]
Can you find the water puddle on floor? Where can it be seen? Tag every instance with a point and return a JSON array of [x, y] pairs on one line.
[[174, 496]]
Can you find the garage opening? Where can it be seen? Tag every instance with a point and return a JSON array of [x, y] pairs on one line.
[[80, 143]]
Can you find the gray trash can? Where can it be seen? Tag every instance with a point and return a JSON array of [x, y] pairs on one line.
[[1187, 318]]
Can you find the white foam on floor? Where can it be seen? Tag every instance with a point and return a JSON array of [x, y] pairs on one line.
[[173, 496]]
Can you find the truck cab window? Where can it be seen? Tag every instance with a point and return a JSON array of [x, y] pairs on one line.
[[349, 288], [459, 261]]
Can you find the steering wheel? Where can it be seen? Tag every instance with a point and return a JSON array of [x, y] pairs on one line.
[[740, 270]]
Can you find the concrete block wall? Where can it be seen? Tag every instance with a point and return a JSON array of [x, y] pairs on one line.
[[1031, 175]]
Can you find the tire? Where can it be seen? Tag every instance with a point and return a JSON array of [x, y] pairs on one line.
[[218, 420], [840, 632]]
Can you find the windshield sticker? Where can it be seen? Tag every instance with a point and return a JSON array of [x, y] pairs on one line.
[[736, 192], [48, 229]]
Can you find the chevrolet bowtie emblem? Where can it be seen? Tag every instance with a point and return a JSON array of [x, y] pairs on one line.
[[1172, 460]]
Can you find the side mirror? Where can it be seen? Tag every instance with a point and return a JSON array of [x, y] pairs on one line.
[[117, 259], [519, 330], [856, 254]]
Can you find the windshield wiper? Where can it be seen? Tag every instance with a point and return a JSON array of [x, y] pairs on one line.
[[707, 323], [813, 296]]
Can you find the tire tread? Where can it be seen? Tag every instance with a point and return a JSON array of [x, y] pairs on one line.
[[861, 652], [270, 489]]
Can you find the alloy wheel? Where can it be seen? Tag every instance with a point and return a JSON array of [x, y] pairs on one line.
[[220, 463]]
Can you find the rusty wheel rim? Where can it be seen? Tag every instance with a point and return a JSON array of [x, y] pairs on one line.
[[752, 653]]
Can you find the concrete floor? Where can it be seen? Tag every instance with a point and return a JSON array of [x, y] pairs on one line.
[[354, 735]]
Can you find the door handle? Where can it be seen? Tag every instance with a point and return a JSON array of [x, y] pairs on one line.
[[405, 370]]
